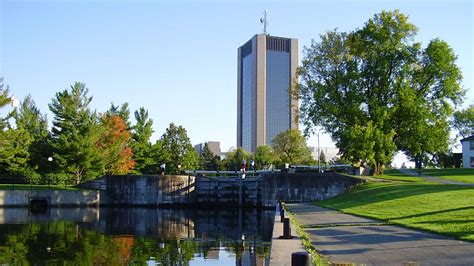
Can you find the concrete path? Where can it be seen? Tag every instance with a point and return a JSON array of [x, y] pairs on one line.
[[343, 238], [434, 179], [281, 249]]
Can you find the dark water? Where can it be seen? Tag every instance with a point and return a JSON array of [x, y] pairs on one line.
[[135, 236]]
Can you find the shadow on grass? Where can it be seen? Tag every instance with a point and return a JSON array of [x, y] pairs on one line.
[[436, 212]]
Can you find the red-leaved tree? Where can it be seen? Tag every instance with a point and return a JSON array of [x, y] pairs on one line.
[[114, 143]]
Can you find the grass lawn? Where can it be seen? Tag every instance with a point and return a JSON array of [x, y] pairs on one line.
[[457, 174], [34, 187], [444, 209], [395, 175]]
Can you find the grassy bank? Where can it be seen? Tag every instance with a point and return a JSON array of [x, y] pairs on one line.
[[444, 209], [456, 174], [35, 187]]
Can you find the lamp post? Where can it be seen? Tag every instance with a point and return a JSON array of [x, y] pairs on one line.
[[319, 156]]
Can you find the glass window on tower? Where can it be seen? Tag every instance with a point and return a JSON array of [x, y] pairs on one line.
[[247, 101], [277, 94]]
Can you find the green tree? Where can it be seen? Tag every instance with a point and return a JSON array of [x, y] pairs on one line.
[[234, 158], [209, 160], [121, 110], [463, 121], [14, 143], [142, 148], [378, 82], [75, 134], [29, 118], [322, 157], [4, 101], [290, 147], [264, 157], [176, 149]]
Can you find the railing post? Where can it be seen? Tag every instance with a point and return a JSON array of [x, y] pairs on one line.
[[286, 228], [300, 258]]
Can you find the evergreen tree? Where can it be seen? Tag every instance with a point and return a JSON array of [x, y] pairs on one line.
[[75, 133], [14, 143], [322, 157], [209, 160], [121, 110], [30, 119], [4, 101], [143, 152]]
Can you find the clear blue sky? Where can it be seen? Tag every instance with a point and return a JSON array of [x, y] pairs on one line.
[[178, 59]]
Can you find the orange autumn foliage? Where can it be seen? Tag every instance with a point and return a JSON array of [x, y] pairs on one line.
[[114, 142]]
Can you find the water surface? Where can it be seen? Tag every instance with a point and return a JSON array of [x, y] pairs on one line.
[[137, 236]]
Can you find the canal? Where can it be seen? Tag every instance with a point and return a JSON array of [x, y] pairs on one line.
[[138, 236]]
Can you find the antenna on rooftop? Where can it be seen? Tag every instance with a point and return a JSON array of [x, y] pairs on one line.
[[264, 21]]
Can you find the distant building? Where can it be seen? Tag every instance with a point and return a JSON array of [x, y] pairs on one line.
[[329, 152], [214, 147], [468, 152], [266, 71]]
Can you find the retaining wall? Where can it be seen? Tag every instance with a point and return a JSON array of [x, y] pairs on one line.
[[54, 198], [154, 190]]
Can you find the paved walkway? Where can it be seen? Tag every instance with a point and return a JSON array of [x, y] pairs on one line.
[[281, 250], [343, 238], [433, 179]]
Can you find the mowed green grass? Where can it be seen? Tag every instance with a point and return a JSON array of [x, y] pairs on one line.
[[34, 187], [457, 174], [443, 209], [395, 175]]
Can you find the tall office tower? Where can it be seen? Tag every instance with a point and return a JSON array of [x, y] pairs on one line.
[[265, 106]]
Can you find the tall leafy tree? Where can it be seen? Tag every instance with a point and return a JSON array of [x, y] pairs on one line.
[[114, 145], [178, 150], [143, 152], [264, 156], [463, 121], [235, 157], [290, 147], [377, 82], [75, 134]]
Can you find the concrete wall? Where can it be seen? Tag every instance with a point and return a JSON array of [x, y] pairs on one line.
[[263, 191], [17, 198], [267, 190], [148, 190], [300, 187]]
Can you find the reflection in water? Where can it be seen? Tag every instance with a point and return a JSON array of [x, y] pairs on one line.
[[118, 236]]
